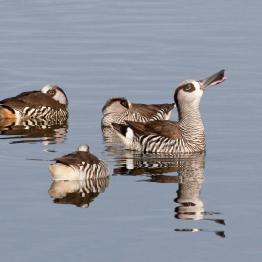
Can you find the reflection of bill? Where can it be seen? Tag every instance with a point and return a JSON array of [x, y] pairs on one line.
[[77, 192], [190, 177], [191, 206], [219, 233], [31, 131]]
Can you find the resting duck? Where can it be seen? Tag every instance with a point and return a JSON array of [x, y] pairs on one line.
[[78, 166], [50, 103], [119, 109]]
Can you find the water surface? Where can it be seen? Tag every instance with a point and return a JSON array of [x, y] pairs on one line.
[[141, 50]]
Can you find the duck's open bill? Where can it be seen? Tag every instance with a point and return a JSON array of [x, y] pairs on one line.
[[215, 79]]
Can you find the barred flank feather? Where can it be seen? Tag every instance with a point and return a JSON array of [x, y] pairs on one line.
[[44, 113], [192, 138], [93, 171]]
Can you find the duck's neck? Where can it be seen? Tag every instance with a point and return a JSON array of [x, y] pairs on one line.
[[191, 124]]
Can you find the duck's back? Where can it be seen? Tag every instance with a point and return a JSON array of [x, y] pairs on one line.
[[30, 99]]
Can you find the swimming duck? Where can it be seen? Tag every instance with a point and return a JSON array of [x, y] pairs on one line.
[[187, 135], [119, 109], [78, 165], [49, 103]]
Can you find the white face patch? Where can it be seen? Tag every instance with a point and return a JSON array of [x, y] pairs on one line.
[[59, 96], [190, 97], [196, 84]]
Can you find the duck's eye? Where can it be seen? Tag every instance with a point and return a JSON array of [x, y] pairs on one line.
[[189, 87], [51, 92], [124, 103]]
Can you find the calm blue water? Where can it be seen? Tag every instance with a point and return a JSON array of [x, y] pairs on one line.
[[141, 50]]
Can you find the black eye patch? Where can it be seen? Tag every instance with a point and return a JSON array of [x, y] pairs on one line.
[[124, 103], [51, 92], [188, 87]]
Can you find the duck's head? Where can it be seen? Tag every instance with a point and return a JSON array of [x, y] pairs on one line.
[[116, 105], [56, 93], [191, 91], [83, 148]]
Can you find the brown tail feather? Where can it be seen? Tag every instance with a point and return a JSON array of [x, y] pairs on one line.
[[6, 112]]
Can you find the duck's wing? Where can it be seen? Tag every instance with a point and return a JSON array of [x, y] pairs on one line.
[[23, 97], [69, 159], [78, 158], [16, 102], [30, 99], [150, 111], [164, 128]]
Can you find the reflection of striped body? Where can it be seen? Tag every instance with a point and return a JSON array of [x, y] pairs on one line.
[[135, 163], [78, 192], [78, 165], [94, 185], [34, 130], [59, 189], [119, 109]]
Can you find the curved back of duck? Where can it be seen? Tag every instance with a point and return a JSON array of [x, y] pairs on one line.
[[139, 113]]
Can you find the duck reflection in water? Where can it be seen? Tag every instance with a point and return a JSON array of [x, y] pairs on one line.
[[77, 192], [109, 136], [33, 131], [191, 207], [190, 178]]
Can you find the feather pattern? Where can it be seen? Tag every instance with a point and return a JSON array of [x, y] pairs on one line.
[[119, 110]]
